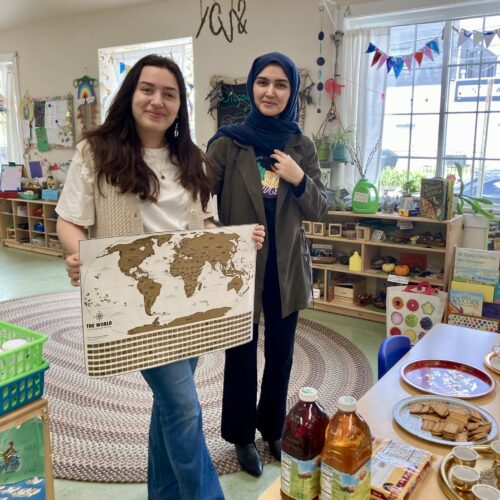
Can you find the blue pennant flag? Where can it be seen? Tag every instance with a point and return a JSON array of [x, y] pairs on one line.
[[122, 67], [397, 65], [371, 48], [389, 64], [433, 45]]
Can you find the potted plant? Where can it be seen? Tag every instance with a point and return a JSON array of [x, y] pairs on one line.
[[474, 202], [322, 144], [407, 201], [341, 138]]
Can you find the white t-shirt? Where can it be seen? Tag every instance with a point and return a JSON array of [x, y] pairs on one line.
[[169, 213]]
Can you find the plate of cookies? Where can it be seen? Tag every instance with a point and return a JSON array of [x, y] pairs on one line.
[[444, 420], [447, 378]]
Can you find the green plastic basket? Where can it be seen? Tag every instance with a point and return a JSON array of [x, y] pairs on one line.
[[20, 360]]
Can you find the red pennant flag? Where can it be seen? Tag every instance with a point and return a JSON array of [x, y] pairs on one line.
[[408, 60], [419, 55], [376, 57]]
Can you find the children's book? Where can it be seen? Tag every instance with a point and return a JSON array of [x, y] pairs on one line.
[[470, 303], [433, 198], [476, 266]]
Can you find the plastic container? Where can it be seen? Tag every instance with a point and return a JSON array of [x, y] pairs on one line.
[[364, 198], [23, 389], [301, 444], [23, 359], [346, 456]]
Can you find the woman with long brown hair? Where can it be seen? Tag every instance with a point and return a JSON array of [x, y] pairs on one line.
[[139, 172]]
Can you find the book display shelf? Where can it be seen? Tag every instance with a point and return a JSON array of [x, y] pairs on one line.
[[423, 243], [29, 225]]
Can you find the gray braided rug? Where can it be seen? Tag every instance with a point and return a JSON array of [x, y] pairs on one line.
[[99, 427]]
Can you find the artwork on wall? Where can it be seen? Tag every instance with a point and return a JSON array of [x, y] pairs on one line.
[[220, 21], [54, 120], [228, 99], [86, 100]]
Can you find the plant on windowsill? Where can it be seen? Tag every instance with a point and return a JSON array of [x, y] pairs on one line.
[[474, 202]]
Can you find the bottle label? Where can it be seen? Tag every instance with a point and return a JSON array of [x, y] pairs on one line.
[[300, 478], [341, 486]]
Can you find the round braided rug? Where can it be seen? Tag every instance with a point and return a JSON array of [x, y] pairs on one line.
[[99, 427]]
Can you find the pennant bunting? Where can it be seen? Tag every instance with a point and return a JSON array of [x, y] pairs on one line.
[[476, 37], [397, 63]]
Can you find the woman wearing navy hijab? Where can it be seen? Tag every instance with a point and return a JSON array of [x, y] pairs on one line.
[[267, 172]]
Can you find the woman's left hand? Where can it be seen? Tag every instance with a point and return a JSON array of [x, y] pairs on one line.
[[258, 235], [287, 168]]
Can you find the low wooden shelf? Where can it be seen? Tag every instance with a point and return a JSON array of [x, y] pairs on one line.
[[18, 218], [437, 256]]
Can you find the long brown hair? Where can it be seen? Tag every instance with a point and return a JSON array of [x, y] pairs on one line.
[[117, 149]]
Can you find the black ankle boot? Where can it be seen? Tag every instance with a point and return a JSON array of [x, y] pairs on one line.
[[275, 448], [249, 458]]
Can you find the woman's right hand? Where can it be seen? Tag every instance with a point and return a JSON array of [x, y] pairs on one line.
[[73, 268]]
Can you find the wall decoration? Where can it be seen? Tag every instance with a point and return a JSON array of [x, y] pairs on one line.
[[228, 98], [26, 108], [86, 100], [396, 63], [54, 122], [225, 23]]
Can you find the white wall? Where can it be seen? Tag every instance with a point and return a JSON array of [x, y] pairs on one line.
[[53, 53]]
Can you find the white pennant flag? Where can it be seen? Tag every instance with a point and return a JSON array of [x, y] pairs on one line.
[[488, 37], [462, 37]]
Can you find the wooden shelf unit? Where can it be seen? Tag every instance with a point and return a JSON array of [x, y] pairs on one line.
[[441, 257], [19, 220]]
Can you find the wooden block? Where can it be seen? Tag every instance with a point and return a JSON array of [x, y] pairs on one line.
[[307, 226], [363, 233], [318, 228], [335, 230]]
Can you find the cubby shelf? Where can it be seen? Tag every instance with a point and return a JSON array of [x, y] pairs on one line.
[[15, 211], [437, 256]]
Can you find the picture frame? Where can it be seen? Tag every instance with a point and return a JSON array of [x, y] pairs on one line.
[[318, 228], [378, 235], [307, 227], [351, 226], [335, 230]]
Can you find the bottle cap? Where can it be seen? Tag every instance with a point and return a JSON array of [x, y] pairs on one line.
[[308, 394], [346, 403]]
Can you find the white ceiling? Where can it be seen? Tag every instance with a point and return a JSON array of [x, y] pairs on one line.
[[15, 13]]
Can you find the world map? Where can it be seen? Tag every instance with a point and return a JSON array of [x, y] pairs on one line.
[[132, 285]]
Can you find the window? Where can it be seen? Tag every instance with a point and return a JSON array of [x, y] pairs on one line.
[[447, 109], [11, 149], [114, 63]]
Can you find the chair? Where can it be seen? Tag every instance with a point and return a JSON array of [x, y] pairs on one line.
[[391, 350]]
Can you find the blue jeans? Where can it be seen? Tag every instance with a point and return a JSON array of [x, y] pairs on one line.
[[179, 464]]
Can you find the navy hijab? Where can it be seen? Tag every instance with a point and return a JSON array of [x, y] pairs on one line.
[[267, 133]]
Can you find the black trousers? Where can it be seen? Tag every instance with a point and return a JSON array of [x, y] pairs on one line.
[[240, 414]]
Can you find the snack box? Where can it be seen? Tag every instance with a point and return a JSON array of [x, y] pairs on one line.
[[397, 468]]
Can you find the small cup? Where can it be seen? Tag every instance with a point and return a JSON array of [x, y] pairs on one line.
[[464, 478], [496, 349], [485, 492], [495, 448], [464, 455]]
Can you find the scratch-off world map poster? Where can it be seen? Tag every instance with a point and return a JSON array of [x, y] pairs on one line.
[[153, 299]]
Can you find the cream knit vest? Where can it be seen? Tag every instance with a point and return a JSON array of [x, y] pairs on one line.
[[118, 214]]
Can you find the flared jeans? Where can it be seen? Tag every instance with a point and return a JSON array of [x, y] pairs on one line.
[[179, 463]]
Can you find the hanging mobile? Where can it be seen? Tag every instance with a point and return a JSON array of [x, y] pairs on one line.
[[320, 61]]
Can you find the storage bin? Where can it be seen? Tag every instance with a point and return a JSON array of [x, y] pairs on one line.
[[50, 194], [22, 389], [21, 360], [349, 288]]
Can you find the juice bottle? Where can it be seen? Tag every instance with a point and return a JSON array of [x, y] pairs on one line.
[[301, 445], [345, 460]]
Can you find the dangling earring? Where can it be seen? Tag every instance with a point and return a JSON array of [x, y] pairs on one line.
[[176, 129]]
